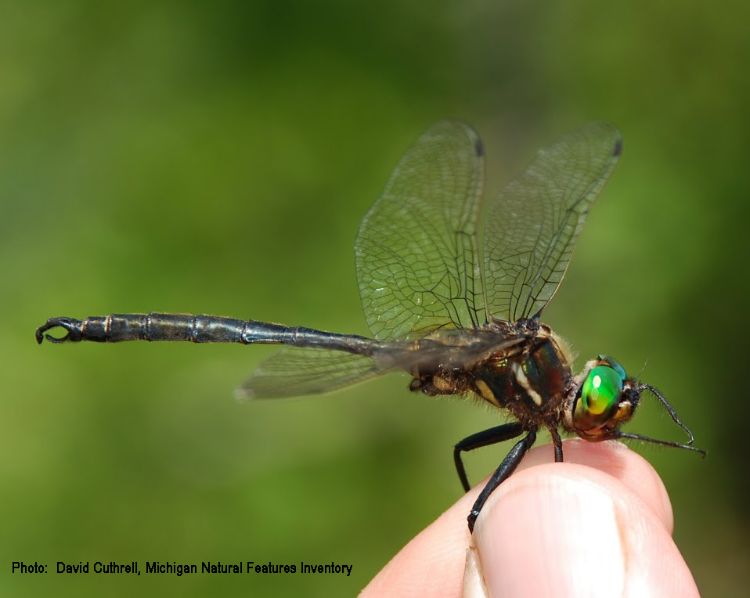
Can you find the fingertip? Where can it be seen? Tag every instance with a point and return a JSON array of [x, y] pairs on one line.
[[574, 530], [538, 533], [598, 521], [618, 461]]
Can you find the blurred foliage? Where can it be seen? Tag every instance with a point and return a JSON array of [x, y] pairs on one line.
[[217, 158]]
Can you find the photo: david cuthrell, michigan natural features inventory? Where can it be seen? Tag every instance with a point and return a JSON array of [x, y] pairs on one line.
[[453, 286]]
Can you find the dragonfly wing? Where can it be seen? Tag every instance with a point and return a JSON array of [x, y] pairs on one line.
[[294, 371], [531, 227], [416, 252]]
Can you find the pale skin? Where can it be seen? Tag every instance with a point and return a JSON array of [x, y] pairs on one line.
[[599, 524]]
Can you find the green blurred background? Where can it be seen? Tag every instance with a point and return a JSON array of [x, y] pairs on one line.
[[217, 158]]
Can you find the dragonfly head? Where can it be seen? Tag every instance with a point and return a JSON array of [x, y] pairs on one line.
[[604, 398]]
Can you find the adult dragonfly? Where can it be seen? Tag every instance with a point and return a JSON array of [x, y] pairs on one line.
[[453, 288]]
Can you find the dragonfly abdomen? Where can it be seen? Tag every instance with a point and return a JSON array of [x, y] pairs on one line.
[[115, 328]]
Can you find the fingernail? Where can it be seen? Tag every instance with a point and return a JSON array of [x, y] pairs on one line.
[[474, 586], [555, 536]]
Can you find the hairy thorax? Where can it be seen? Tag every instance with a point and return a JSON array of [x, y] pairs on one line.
[[526, 371]]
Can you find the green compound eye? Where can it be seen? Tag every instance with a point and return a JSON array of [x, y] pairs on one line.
[[613, 363], [601, 390]]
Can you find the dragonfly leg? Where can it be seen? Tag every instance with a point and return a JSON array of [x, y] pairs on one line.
[[511, 461], [480, 439], [557, 442]]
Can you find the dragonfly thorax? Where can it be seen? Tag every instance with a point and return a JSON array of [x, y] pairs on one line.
[[531, 384], [524, 369]]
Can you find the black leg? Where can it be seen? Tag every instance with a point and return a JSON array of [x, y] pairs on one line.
[[511, 461], [480, 439], [557, 442]]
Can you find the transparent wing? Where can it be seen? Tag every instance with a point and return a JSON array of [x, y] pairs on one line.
[[530, 229], [294, 371], [416, 250]]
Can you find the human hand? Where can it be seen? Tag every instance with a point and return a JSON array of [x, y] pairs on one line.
[[599, 524]]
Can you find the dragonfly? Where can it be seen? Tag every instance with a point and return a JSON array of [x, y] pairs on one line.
[[453, 285]]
